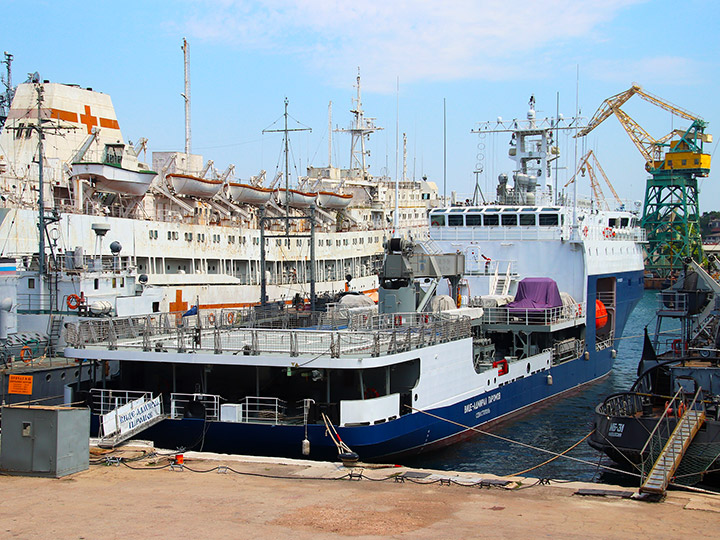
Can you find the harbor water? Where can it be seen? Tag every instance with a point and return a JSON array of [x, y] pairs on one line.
[[555, 425]]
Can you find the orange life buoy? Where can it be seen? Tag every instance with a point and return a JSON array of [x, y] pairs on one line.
[[398, 320], [677, 346], [585, 231], [73, 301], [211, 318], [230, 317], [26, 354]]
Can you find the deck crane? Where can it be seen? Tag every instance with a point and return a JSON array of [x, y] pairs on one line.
[[675, 162], [587, 165]]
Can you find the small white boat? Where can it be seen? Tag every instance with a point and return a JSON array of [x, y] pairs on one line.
[[333, 201], [114, 178], [194, 186], [296, 199], [247, 194]]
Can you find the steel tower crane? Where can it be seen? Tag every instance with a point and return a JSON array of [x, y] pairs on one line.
[[671, 212]]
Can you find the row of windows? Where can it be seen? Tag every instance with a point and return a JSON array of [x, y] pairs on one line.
[[493, 220], [242, 240]]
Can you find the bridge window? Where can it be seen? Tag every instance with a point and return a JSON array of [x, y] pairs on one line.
[[455, 220], [491, 220], [437, 220], [527, 219], [548, 220], [509, 220], [473, 220]]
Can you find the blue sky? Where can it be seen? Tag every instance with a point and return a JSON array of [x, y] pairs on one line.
[[484, 58]]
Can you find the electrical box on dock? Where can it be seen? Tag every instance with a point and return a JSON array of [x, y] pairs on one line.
[[45, 441]]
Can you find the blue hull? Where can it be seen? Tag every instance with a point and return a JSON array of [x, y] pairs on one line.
[[410, 433]]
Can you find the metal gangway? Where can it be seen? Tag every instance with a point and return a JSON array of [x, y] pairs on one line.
[[667, 462], [125, 413]]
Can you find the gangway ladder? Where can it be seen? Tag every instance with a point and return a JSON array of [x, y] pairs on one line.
[[662, 471], [118, 435]]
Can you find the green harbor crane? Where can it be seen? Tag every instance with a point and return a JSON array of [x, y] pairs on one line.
[[671, 212]]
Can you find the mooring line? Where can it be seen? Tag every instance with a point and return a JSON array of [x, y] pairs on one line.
[[525, 445]]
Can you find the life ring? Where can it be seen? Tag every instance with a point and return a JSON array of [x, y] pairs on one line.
[[371, 393], [73, 301], [677, 346], [585, 231], [231, 317], [211, 318], [579, 310], [26, 354], [398, 320], [607, 232], [426, 318]]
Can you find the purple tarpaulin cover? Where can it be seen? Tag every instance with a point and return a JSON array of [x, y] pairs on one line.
[[535, 294]]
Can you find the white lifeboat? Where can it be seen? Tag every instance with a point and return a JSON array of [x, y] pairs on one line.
[[296, 199], [333, 201], [247, 194], [194, 186], [114, 178]]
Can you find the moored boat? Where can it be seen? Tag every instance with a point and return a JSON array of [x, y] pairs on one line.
[[510, 304], [114, 178]]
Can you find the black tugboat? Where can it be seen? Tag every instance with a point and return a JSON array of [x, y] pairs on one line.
[[667, 427]]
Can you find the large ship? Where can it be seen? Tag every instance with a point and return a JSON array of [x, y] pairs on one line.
[[185, 227], [505, 305]]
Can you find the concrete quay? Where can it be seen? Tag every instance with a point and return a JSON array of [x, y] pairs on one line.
[[266, 498]]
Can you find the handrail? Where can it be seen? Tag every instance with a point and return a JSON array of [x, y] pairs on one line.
[[664, 416]]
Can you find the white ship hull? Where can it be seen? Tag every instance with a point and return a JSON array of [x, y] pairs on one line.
[[296, 199]]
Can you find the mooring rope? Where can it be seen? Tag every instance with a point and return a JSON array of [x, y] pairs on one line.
[[553, 458]]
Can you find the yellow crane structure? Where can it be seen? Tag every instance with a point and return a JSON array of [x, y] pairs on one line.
[[588, 163], [675, 161]]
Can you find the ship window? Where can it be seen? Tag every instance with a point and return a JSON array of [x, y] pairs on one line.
[[457, 210], [612, 222], [96, 283], [697, 161], [455, 221], [114, 283], [31, 283], [548, 220], [491, 220], [437, 220], [684, 161], [527, 219], [509, 220], [169, 235], [473, 220], [624, 222]]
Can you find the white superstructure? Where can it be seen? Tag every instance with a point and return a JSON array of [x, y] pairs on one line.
[[200, 244]]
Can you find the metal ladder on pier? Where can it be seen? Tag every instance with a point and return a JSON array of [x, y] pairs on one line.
[[661, 473]]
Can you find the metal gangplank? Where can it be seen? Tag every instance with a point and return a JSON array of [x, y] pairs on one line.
[[124, 414], [667, 462]]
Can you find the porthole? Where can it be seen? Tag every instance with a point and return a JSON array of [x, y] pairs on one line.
[[528, 368], [62, 376], [48, 377], [77, 373], [416, 397]]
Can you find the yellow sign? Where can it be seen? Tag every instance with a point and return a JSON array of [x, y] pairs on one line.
[[20, 384]]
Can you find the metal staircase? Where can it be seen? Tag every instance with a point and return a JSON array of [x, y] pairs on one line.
[[667, 462], [54, 331]]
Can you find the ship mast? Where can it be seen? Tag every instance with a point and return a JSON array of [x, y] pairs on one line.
[[186, 95], [360, 130]]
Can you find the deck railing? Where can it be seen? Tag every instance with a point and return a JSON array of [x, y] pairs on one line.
[[548, 316], [371, 335]]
